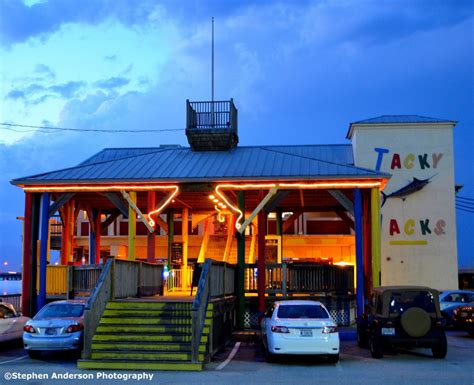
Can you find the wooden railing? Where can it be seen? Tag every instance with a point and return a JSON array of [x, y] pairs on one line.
[[216, 281], [210, 115], [179, 279], [302, 278], [85, 278], [119, 279]]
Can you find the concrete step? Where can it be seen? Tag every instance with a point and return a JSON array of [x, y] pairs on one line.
[[137, 320], [127, 305], [137, 328], [150, 313], [139, 365]]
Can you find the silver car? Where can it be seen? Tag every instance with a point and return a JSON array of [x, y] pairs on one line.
[[57, 326], [11, 322]]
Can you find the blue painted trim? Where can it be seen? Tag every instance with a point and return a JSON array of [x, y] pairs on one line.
[[44, 235], [359, 246]]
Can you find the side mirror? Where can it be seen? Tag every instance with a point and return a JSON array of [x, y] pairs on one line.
[[19, 314]]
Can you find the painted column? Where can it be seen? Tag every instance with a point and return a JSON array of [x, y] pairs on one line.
[[97, 226], [185, 238], [72, 225], [65, 234], [151, 237], [132, 227], [367, 244], [170, 219], [279, 230], [25, 277], [376, 241], [262, 225], [43, 250], [359, 249], [92, 232], [34, 236], [241, 266]]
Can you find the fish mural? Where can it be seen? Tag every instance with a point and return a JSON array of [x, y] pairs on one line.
[[412, 187]]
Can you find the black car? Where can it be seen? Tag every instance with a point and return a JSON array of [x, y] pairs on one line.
[[403, 316], [463, 318]]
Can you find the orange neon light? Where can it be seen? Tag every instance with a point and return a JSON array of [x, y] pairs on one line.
[[220, 217], [159, 209], [98, 188], [313, 185]]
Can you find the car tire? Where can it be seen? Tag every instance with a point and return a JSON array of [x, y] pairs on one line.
[[362, 340], [441, 349], [333, 358], [34, 354], [269, 357], [376, 348]]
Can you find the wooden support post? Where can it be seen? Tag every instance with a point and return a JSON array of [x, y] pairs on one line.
[[279, 231], [185, 238], [241, 267], [359, 249], [205, 240], [376, 241], [72, 225], [65, 233], [151, 237], [98, 229], [170, 218], [25, 277], [92, 232], [43, 250], [230, 237], [261, 259], [34, 236], [367, 244], [132, 227]]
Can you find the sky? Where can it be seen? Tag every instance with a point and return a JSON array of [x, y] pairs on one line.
[[299, 72]]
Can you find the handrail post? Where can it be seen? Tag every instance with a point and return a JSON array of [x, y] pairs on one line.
[[283, 278], [70, 282]]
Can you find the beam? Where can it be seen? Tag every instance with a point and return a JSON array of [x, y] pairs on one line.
[[276, 200], [35, 221], [111, 219], [170, 217], [151, 238], [98, 229], [205, 240], [259, 208], [185, 239], [230, 237], [117, 202], [345, 218], [301, 198], [343, 200], [262, 225], [60, 202], [289, 221], [26, 273], [134, 207]]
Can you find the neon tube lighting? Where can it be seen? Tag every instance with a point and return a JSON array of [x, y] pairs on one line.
[[159, 209], [82, 188]]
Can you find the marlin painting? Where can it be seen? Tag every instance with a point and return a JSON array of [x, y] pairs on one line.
[[410, 188]]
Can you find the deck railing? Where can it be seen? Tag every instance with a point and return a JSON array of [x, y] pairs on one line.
[[119, 279], [216, 281], [179, 279], [210, 115], [302, 278]]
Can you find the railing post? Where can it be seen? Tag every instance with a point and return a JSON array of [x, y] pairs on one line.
[[70, 282], [283, 278]]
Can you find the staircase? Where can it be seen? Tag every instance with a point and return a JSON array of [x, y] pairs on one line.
[[138, 335]]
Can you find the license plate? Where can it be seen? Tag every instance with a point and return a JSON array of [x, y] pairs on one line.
[[306, 333], [388, 331], [50, 331]]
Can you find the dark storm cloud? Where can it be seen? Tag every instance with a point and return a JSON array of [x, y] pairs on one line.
[[19, 22]]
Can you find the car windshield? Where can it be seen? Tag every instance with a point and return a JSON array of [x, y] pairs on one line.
[[302, 311], [400, 302], [62, 310]]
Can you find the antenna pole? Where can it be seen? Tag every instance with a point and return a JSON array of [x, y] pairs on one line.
[[212, 68]]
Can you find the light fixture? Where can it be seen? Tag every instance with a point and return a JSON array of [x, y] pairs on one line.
[[211, 197]]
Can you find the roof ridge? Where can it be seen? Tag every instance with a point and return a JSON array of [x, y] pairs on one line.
[[327, 161]]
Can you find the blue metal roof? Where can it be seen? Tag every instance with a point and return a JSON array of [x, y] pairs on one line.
[[180, 164], [387, 119]]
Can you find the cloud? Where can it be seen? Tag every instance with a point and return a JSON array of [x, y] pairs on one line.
[[16, 94], [46, 72], [112, 83], [36, 93], [20, 22], [67, 90]]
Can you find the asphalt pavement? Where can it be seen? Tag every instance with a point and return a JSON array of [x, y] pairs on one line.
[[244, 364]]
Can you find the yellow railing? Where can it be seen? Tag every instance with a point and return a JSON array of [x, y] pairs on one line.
[[56, 280]]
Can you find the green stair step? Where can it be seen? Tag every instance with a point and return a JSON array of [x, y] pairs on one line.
[[112, 337], [143, 355], [149, 321], [171, 347], [127, 305], [150, 313], [146, 329], [138, 365]]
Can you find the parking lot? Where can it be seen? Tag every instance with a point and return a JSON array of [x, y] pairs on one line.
[[249, 367]]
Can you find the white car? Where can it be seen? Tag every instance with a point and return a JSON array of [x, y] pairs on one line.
[[11, 323], [299, 327]]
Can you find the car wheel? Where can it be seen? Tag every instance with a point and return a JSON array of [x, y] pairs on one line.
[[441, 349], [269, 357], [333, 358], [471, 333], [376, 348], [34, 354], [362, 339]]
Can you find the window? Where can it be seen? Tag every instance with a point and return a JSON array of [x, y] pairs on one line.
[[302, 311], [61, 311], [400, 302], [6, 312]]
